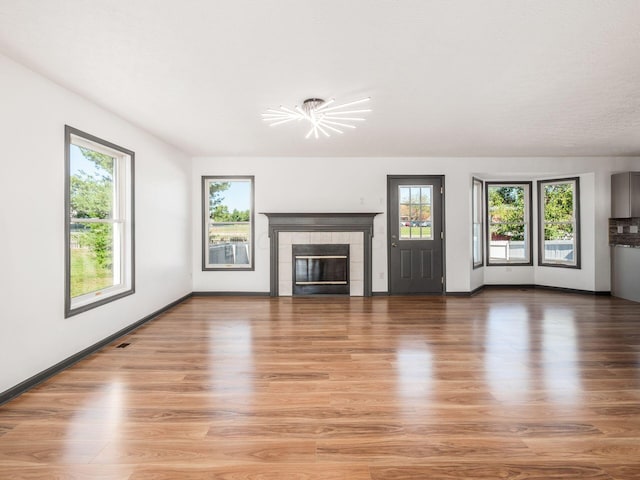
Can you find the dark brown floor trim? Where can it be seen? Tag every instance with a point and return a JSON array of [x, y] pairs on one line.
[[230, 294], [558, 289]]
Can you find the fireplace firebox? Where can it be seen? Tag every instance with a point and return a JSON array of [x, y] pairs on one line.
[[320, 269]]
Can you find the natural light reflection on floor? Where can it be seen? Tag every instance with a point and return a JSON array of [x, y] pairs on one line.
[[99, 415], [559, 356], [506, 352], [414, 369], [231, 359], [96, 422]]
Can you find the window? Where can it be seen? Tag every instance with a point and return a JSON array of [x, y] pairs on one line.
[[227, 206], [558, 223], [415, 212], [478, 221], [99, 222], [508, 222]]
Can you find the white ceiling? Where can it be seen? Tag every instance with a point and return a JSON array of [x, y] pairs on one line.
[[445, 77]]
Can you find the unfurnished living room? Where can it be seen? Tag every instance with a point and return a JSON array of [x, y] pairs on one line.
[[328, 240]]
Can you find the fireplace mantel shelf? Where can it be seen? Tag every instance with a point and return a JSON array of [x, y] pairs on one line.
[[321, 221], [320, 214]]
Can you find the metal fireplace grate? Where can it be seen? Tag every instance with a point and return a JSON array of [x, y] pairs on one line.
[[320, 269]]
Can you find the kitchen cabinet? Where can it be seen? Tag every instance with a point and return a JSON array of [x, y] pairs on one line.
[[625, 272], [625, 195]]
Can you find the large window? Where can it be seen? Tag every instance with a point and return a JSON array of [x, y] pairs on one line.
[[99, 221], [508, 223], [558, 223], [478, 224], [227, 206]]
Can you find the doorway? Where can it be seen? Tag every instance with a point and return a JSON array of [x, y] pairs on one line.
[[415, 234]]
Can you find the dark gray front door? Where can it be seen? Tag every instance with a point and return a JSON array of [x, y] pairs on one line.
[[415, 233]]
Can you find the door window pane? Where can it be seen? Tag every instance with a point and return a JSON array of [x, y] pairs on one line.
[[415, 212]]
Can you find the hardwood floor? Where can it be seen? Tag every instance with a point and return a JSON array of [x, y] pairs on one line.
[[509, 384]]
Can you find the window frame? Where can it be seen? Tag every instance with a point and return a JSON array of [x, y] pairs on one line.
[[124, 217], [528, 223], [576, 223], [206, 266], [477, 210]]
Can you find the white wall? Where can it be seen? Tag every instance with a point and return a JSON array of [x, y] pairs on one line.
[[359, 185], [34, 334]]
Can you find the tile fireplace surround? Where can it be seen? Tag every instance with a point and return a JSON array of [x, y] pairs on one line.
[[287, 229]]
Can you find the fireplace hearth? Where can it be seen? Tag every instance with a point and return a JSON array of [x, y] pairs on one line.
[[320, 269]]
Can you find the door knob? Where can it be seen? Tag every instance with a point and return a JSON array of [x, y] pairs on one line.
[[394, 244]]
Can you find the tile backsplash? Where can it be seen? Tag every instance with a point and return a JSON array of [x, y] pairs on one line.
[[624, 231]]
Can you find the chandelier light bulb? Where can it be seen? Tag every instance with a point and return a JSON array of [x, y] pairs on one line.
[[323, 116]]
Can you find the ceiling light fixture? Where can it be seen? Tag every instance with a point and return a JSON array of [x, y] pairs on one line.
[[325, 117]]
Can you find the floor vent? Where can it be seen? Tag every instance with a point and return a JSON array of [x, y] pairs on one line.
[[123, 345]]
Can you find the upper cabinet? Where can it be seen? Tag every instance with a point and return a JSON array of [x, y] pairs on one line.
[[625, 195]]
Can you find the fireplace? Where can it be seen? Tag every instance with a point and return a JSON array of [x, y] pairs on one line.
[[320, 269], [352, 229]]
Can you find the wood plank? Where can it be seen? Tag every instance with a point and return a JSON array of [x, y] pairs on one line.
[[67, 472], [573, 471], [304, 471], [212, 453]]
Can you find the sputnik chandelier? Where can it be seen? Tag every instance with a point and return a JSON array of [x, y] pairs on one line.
[[324, 117]]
